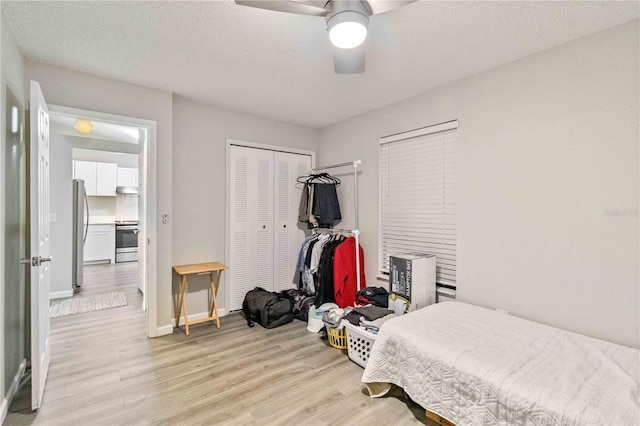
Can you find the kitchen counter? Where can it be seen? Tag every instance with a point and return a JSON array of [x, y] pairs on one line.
[[102, 220]]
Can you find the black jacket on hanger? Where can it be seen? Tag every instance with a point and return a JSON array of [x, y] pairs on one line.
[[324, 275]]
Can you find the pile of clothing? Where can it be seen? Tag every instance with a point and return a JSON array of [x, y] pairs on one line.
[[369, 317], [377, 296]]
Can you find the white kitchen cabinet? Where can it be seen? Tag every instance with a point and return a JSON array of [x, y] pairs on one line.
[[86, 170], [99, 178], [263, 211], [100, 245], [106, 179], [127, 176]]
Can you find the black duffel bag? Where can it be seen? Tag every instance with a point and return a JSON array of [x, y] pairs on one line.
[[267, 308]]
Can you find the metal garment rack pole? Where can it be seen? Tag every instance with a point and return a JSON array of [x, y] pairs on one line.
[[354, 232]]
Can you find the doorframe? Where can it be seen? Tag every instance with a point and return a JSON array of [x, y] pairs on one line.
[[150, 151], [255, 145]]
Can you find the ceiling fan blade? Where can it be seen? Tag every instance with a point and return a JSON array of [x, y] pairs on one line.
[[299, 7], [381, 6], [348, 61]]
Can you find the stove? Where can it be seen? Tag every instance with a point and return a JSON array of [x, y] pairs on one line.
[[126, 222], [126, 241]]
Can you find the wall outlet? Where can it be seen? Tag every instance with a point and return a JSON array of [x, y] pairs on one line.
[[165, 218]]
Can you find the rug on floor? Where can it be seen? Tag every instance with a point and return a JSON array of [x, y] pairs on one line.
[[78, 305]]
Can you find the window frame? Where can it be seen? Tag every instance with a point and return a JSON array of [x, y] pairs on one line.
[[395, 138]]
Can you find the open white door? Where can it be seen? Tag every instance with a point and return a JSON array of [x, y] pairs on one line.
[[142, 215], [40, 254]]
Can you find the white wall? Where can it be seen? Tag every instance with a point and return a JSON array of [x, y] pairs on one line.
[[61, 187], [11, 311], [85, 91], [199, 180], [549, 145]]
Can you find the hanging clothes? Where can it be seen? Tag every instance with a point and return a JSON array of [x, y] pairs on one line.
[[324, 275], [319, 205], [345, 282], [317, 252], [303, 210], [306, 278], [326, 207]]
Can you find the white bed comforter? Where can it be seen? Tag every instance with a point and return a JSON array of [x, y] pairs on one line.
[[476, 366]]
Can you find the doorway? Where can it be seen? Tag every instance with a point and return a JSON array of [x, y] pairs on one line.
[[114, 157]]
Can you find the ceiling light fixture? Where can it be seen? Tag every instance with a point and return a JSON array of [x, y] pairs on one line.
[[347, 29], [83, 126], [14, 119]]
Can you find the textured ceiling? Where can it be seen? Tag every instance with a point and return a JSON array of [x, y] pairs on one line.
[[279, 65]]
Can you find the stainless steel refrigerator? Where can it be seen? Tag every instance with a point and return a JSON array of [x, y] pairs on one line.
[[80, 227]]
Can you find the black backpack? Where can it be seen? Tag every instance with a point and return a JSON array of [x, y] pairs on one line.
[[267, 308]]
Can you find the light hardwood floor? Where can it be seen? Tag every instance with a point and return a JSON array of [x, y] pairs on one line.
[[105, 371]]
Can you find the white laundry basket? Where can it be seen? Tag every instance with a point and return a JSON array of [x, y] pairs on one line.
[[359, 343]]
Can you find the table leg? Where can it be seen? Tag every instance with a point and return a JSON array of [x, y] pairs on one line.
[[179, 307], [214, 294], [184, 305]]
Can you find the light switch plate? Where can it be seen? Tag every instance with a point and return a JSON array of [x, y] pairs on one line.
[[53, 217]]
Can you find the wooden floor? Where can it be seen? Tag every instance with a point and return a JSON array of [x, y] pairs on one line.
[[105, 371]]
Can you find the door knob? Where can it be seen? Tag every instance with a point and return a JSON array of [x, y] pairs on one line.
[[35, 261]]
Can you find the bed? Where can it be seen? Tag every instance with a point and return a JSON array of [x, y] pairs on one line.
[[472, 366]]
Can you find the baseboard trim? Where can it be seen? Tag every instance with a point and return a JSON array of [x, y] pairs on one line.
[[13, 389], [60, 294], [164, 330]]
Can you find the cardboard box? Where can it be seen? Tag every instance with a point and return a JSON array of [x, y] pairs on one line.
[[412, 282]]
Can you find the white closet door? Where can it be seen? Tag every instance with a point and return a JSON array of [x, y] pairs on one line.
[[288, 234], [251, 222]]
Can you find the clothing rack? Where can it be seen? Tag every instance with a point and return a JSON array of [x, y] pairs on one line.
[[356, 235], [354, 232]]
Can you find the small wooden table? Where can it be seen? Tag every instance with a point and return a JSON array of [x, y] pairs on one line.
[[199, 269]]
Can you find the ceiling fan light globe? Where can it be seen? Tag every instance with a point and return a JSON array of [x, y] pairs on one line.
[[347, 29], [348, 35]]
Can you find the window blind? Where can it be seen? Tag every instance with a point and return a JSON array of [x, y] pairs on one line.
[[418, 197]]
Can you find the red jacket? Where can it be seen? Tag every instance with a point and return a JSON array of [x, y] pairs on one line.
[[344, 273]]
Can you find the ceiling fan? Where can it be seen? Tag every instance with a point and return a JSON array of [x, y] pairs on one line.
[[347, 22]]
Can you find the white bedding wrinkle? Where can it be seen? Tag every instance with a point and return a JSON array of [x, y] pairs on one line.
[[474, 366]]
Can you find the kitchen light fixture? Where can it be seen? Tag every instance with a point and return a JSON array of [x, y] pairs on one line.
[[14, 119], [347, 29], [83, 126]]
